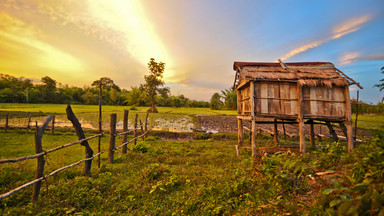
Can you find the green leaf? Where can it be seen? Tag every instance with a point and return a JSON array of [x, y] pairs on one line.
[[344, 207], [334, 203], [328, 191], [378, 197], [360, 187], [336, 184]]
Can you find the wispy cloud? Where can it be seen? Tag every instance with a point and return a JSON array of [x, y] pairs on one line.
[[348, 58], [338, 31], [356, 56]]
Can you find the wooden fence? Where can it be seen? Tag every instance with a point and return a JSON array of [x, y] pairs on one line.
[[39, 176]]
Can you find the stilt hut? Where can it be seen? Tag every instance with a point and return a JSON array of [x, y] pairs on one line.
[[293, 93]]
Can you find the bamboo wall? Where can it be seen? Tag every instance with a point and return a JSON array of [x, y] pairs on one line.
[[279, 99]]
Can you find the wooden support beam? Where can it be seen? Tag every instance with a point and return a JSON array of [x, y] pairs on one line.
[[240, 131], [275, 134], [253, 137], [300, 117], [332, 131], [134, 129], [348, 117], [312, 135]]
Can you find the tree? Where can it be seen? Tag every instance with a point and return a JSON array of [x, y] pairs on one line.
[[106, 83], [48, 89], [381, 84], [154, 81], [230, 98], [216, 103]]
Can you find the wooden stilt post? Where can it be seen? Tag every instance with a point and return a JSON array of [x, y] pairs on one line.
[[253, 129], [250, 132], [125, 128], [134, 130], [312, 134], [357, 114], [40, 160], [285, 134], [348, 119], [240, 131], [112, 138], [275, 133], [300, 117]]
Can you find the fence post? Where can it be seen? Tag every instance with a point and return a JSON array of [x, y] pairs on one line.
[[146, 124], [80, 134], [53, 125], [134, 130], [40, 160], [29, 121], [112, 132], [125, 128], [6, 122], [142, 130]]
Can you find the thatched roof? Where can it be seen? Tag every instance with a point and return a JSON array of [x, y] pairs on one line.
[[305, 73]]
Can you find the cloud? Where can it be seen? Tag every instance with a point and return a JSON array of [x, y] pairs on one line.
[[338, 31], [348, 58], [355, 56]]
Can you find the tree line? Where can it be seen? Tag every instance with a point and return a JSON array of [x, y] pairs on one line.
[[151, 93]]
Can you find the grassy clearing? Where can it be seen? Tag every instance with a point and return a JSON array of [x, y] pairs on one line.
[[60, 109], [375, 122], [196, 177]]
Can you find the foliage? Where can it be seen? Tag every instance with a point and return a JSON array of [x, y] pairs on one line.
[[230, 98], [216, 103], [197, 177], [154, 81], [381, 84]]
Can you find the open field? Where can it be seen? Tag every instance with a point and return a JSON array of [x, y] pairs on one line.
[[60, 109]]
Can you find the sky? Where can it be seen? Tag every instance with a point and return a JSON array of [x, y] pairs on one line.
[[76, 42]]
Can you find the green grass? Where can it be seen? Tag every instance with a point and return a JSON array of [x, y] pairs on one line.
[[191, 177], [375, 122], [60, 109]]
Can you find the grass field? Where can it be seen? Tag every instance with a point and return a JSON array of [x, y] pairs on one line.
[[191, 177], [60, 109]]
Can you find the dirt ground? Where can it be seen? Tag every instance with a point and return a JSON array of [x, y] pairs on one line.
[[225, 124]]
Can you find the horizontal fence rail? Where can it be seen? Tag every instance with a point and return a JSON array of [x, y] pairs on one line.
[[44, 177], [13, 160]]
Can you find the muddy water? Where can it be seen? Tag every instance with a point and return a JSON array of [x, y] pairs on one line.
[[156, 121]]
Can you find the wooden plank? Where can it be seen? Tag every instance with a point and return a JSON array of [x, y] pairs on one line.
[[313, 102], [112, 138], [293, 95], [312, 135], [125, 128], [332, 131], [275, 133], [257, 95], [264, 94], [306, 97]]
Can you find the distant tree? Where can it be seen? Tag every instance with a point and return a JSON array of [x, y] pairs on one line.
[[107, 83], [153, 82], [134, 97], [230, 98], [381, 84], [48, 89], [216, 103], [90, 98]]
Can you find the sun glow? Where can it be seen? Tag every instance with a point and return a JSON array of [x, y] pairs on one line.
[[131, 30]]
